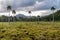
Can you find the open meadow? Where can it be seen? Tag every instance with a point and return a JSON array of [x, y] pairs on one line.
[[30, 31]]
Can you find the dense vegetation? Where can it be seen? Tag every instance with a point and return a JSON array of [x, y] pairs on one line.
[[4, 18], [33, 18], [30, 31], [50, 17]]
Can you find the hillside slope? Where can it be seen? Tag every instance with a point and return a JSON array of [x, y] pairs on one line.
[[50, 17]]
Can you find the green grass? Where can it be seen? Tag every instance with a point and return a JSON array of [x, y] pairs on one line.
[[30, 31]]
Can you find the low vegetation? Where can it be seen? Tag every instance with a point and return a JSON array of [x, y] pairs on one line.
[[30, 31]]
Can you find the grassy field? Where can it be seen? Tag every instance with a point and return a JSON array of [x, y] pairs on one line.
[[30, 31]]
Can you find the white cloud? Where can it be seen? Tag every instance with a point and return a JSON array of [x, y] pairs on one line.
[[30, 5], [34, 4], [44, 5], [34, 13]]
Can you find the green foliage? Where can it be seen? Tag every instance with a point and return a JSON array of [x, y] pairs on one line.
[[9, 7], [53, 8], [29, 12], [14, 12]]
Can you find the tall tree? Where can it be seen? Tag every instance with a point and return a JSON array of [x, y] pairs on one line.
[[9, 9], [14, 12], [30, 14], [53, 8]]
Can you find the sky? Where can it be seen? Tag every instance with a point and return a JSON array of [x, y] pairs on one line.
[[38, 7]]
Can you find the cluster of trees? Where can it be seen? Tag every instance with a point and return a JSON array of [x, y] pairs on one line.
[[33, 18], [10, 18], [4, 18], [56, 16]]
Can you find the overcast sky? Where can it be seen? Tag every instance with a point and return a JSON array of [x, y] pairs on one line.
[[33, 5]]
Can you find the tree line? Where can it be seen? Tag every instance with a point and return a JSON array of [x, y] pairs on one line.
[[4, 18], [33, 18]]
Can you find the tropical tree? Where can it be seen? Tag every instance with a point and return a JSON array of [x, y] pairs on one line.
[[30, 14], [9, 9], [14, 12], [53, 8]]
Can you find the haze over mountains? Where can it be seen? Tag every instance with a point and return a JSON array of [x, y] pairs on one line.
[[22, 17], [34, 13]]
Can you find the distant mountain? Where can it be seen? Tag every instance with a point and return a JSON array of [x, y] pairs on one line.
[[23, 16], [18, 16]]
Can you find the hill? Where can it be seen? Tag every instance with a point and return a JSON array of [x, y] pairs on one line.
[[50, 17]]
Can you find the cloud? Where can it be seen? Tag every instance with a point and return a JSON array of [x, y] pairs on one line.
[[29, 4], [15, 3], [46, 5]]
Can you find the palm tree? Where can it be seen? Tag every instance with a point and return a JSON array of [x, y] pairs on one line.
[[14, 12], [9, 9], [53, 8], [30, 14]]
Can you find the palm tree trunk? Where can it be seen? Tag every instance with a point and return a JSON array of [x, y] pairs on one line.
[[9, 18], [31, 17], [14, 18], [38, 20], [53, 19], [53, 16]]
